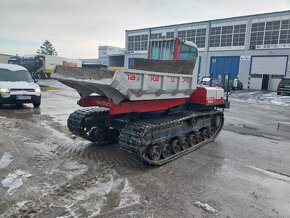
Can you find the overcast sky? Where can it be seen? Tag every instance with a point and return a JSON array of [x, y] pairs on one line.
[[77, 27]]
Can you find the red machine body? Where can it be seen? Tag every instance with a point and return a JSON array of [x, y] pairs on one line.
[[206, 96], [172, 49]]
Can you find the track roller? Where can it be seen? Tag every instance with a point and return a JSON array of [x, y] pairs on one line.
[[192, 139], [175, 146], [166, 150], [184, 143], [155, 152]]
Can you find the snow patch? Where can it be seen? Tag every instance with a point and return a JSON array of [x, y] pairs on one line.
[[278, 102], [14, 180], [206, 207], [256, 97], [102, 193], [21, 204], [5, 160], [129, 198], [73, 168]]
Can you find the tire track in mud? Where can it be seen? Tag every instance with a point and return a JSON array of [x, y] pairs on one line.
[[107, 155], [71, 170], [48, 143], [50, 135]]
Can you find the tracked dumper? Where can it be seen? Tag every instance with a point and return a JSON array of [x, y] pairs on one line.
[[154, 109]]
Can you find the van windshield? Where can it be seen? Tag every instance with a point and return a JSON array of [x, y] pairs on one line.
[[15, 76]]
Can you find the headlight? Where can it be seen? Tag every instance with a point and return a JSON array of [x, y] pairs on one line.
[[37, 89], [4, 90]]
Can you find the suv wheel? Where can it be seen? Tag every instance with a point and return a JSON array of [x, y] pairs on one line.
[[36, 104]]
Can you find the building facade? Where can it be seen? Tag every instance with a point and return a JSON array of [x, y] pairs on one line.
[[105, 51], [253, 48], [4, 58]]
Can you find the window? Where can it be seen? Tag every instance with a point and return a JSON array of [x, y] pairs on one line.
[[191, 35], [162, 50], [144, 42], [270, 33], [228, 36], [200, 37], [131, 43], [169, 34], [182, 34], [187, 52], [137, 42], [285, 32], [215, 36], [156, 35], [257, 33], [239, 35], [196, 36]]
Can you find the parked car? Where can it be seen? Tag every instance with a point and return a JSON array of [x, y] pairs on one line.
[[235, 84], [205, 81], [17, 86], [284, 86], [228, 85]]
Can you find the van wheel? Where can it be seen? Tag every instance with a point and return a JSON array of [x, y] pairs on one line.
[[278, 93], [36, 104]]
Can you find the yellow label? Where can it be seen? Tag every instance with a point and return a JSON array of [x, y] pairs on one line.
[[114, 68], [48, 70]]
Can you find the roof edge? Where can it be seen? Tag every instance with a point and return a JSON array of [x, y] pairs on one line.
[[206, 21]]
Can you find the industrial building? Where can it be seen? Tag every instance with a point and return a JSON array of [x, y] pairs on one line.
[[253, 48], [105, 51], [4, 58]]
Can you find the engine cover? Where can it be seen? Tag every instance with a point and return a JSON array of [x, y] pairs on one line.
[[207, 95]]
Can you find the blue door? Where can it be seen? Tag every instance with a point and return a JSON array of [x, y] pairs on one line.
[[130, 63], [224, 65]]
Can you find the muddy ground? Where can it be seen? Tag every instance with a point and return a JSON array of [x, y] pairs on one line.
[[47, 172]]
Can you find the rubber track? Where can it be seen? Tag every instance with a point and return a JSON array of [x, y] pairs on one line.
[[77, 120], [134, 133]]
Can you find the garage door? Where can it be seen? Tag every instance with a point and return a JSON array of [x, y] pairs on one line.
[[222, 65], [275, 65]]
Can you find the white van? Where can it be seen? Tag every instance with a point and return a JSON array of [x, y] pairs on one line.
[[17, 86]]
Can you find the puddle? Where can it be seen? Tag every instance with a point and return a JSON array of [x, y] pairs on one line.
[[19, 112], [274, 188]]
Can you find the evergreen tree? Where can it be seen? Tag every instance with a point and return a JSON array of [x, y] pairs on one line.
[[47, 48]]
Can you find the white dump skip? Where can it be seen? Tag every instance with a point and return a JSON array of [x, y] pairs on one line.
[[134, 85]]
